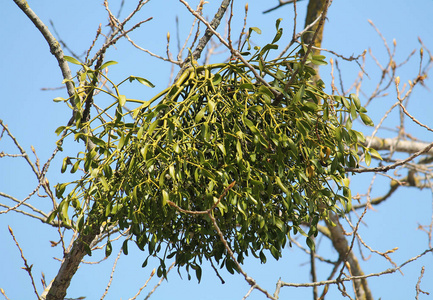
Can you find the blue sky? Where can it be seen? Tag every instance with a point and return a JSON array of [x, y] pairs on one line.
[[32, 116]]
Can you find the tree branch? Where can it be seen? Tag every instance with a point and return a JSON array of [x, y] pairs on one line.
[[213, 25], [280, 4], [393, 166], [70, 263], [338, 281], [342, 246], [55, 47]]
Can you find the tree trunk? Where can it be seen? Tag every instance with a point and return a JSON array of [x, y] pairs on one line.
[[70, 264], [315, 8]]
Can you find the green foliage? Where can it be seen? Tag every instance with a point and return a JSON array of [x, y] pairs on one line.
[[281, 144]]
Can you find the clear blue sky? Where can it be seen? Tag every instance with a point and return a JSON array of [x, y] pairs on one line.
[[32, 116]]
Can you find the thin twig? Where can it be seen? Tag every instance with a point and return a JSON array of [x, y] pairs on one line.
[[280, 4], [307, 53], [234, 52], [55, 48], [387, 271], [112, 273], [159, 282], [27, 268], [145, 284], [3, 293], [393, 166], [298, 35]]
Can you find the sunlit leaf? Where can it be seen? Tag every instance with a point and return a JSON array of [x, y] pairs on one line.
[[72, 60], [366, 119]]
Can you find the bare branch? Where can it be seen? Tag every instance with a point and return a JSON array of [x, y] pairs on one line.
[[55, 48], [112, 273], [397, 145], [393, 166], [70, 264], [27, 268], [147, 281], [212, 26], [418, 283], [281, 4], [338, 281], [234, 52], [159, 282], [3, 293]]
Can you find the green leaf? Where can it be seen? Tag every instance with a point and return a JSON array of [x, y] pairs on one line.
[[367, 158], [277, 24], [246, 86], [301, 128], [75, 166], [277, 36], [281, 185], [121, 142], [200, 114], [275, 253], [165, 197], [125, 247], [216, 79], [318, 62], [211, 106], [80, 222], [345, 102], [144, 264], [223, 150], [104, 183], [310, 106], [319, 57], [122, 100], [256, 108], [108, 249], [256, 30], [299, 94], [107, 64], [356, 100], [366, 119], [60, 130], [198, 273], [60, 189], [140, 132], [374, 153], [64, 164], [64, 211], [353, 111], [152, 127], [72, 60], [142, 80], [250, 125], [265, 90], [87, 249], [311, 244], [262, 257], [51, 217], [59, 99]]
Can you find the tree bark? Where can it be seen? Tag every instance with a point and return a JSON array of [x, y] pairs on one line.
[[340, 243], [69, 266], [397, 145], [315, 8]]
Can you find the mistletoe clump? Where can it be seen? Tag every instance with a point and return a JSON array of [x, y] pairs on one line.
[[258, 154]]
